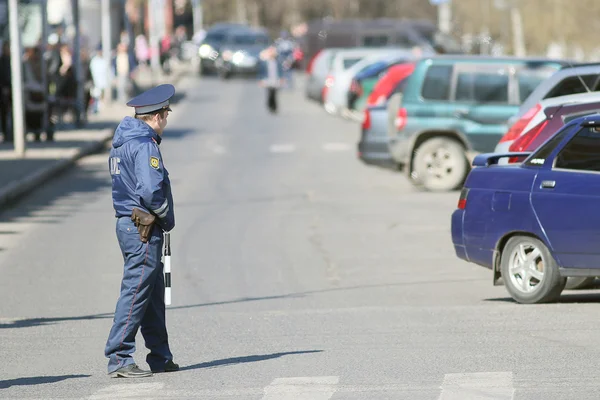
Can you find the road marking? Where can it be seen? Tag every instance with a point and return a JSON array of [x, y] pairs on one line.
[[282, 148], [336, 147], [129, 391], [216, 148], [480, 385], [302, 388]]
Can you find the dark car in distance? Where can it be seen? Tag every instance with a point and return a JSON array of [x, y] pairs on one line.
[[240, 53]]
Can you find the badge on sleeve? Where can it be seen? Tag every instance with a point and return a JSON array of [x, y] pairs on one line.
[[154, 162]]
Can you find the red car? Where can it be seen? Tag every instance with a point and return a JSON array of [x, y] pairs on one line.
[[384, 86]]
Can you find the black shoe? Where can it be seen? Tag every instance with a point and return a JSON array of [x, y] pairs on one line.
[[170, 366], [130, 371]]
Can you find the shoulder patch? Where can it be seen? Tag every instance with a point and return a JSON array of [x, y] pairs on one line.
[[154, 163]]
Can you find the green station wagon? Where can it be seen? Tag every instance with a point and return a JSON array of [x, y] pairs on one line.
[[454, 107]]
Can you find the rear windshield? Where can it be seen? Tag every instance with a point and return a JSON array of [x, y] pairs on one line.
[[574, 85], [539, 157]]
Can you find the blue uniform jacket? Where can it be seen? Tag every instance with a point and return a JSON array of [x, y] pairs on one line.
[[139, 177], [263, 71]]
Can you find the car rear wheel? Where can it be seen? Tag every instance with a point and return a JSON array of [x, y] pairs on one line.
[[440, 165], [529, 271], [579, 282]]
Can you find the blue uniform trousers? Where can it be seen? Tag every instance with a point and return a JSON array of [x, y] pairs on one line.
[[141, 303]]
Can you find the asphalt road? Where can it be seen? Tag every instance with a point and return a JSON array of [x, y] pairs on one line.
[[298, 273]]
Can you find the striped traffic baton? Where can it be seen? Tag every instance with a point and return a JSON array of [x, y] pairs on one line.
[[167, 269]]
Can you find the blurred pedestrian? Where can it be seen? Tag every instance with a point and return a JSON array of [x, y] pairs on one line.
[[143, 204], [271, 76], [99, 68], [5, 92]]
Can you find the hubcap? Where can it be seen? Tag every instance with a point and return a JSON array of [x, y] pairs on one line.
[[439, 164], [526, 268]]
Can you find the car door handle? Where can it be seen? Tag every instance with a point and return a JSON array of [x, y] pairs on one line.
[[548, 184]]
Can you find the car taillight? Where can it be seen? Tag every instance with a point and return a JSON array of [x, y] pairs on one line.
[[517, 128], [400, 120], [366, 124], [523, 142], [462, 200], [309, 66], [329, 81]]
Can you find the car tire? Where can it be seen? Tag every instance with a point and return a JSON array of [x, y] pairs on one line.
[[579, 282], [439, 165], [522, 256]]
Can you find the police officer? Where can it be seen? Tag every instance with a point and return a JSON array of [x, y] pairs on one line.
[[143, 203]]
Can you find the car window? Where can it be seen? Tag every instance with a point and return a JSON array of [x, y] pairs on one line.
[[399, 88], [348, 62], [539, 157], [213, 36], [375, 40], [403, 40], [582, 153], [437, 83], [482, 87], [572, 85], [529, 79]]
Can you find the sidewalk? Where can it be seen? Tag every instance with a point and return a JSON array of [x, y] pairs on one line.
[[46, 160]]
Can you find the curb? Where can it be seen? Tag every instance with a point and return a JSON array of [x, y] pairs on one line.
[[16, 190]]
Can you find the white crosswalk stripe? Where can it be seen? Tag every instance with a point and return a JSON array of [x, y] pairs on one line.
[[282, 148], [480, 386], [336, 147], [217, 149], [302, 388], [147, 391]]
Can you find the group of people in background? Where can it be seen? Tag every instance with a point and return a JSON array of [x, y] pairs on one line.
[[48, 106]]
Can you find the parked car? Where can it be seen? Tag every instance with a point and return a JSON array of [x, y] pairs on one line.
[[381, 32], [454, 107], [385, 85], [240, 52], [345, 65], [363, 88], [571, 79], [537, 118], [536, 223], [555, 118], [316, 73], [373, 143]]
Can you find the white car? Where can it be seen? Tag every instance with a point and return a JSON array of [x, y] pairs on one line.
[[348, 63], [536, 115]]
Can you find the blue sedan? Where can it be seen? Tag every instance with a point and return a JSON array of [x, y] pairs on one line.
[[535, 224]]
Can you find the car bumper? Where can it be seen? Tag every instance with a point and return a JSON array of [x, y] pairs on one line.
[[458, 234], [374, 150], [207, 64]]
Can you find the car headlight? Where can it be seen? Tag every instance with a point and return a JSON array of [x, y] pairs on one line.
[[205, 50], [227, 54], [238, 57]]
